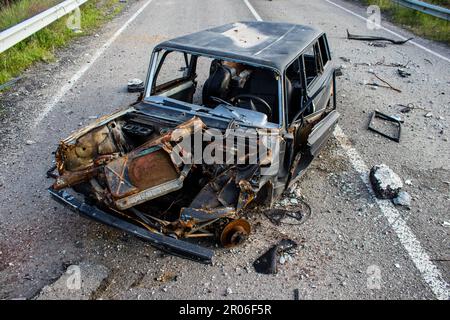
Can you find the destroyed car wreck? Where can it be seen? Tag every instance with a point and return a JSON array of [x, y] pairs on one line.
[[230, 117]]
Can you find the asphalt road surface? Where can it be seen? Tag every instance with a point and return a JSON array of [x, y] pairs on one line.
[[349, 235]]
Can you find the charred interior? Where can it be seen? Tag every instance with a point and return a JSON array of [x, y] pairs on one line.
[[127, 165]]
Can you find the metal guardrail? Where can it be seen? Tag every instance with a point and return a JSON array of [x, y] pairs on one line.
[[426, 8], [23, 30]]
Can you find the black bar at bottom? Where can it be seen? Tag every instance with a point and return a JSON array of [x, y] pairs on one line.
[[173, 246]]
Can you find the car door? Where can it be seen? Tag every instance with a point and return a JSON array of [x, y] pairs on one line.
[[315, 79], [295, 104], [311, 131]]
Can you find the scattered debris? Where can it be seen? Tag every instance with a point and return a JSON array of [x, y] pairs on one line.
[[338, 72], [167, 277], [406, 109], [374, 38], [378, 44], [385, 182], [298, 216], [403, 199], [387, 84], [345, 59], [267, 262], [403, 73], [382, 62], [135, 85], [395, 120], [410, 106]]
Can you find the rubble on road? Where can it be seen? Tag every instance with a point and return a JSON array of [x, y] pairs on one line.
[[394, 120], [403, 199], [385, 83], [403, 73], [135, 85], [279, 253], [167, 277], [289, 215], [377, 44], [385, 182]]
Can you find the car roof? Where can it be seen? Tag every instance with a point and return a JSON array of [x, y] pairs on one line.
[[270, 44]]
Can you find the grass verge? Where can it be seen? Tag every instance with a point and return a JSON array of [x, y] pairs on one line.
[[419, 23], [42, 45], [18, 11]]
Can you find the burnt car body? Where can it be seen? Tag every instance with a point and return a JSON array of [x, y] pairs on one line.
[[272, 82]]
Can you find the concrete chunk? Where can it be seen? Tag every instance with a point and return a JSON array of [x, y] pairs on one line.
[[385, 182], [403, 199]]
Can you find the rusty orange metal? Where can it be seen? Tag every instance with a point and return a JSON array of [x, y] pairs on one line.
[[151, 170], [235, 233]]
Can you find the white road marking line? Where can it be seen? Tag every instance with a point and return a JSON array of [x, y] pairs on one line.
[[392, 32], [430, 273], [65, 88], [253, 11]]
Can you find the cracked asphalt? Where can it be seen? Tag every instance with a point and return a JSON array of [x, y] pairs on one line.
[[346, 233]]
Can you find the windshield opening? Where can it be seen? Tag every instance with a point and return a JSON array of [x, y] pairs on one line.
[[212, 82]]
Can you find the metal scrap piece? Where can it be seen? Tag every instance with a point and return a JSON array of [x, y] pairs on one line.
[[289, 217], [267, 262], [387, 84], [173, 246], [377, 114], [403, 73], [375, 38]]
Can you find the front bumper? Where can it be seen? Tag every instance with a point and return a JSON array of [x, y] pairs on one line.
[[170, 245]]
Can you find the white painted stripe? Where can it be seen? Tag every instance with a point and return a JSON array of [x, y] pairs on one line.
[[392, 32], [422, 261], [253, 11], [430, 273], [65, 88]]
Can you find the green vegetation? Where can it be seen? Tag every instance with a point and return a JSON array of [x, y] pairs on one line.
[[18, 11], [419, 23], [41, 46]]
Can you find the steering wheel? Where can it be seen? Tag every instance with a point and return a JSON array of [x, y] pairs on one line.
[[252, 98]]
